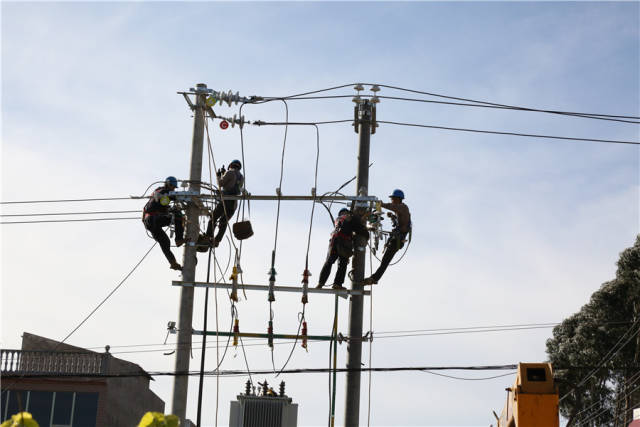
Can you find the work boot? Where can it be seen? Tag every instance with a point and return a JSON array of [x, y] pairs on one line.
[[176, 266], [179, 242], [319, 285], [369, 281], [336, 286]]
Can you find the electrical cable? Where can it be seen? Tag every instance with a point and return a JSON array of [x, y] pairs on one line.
[[470, 379], [65, 200], [236, 372], [69, 220], [482, 105], [313, 205], [527, 135], [607, 357], [69, 213], [564, 138], [107, 297], [502, 105]]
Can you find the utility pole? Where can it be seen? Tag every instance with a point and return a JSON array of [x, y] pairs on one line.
[[183, 349], [363, 117]]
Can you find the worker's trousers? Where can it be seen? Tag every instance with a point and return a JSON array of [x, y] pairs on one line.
[[155, 223], [394, 244], [222, 213], [332, 257]]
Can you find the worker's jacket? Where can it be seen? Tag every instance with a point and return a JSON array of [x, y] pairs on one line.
[[156, 204], [342, 235], [404, 216], [231, 182]]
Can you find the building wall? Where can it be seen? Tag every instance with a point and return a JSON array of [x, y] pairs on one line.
[[121, 401]]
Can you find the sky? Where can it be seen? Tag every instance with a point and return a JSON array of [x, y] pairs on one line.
[[507, 230]]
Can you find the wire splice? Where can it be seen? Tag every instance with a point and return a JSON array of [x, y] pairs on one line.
[[270, 332]]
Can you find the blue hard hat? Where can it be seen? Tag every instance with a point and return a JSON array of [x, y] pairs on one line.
[[397, 193], [343, 211], [236, 162], [171, 180]]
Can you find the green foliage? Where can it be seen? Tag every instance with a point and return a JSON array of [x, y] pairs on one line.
[[591, 338]]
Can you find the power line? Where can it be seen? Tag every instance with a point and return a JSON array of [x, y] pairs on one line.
[[69, 220], [610, 355], [474, 101], [236, 372], [466, 104], [66, 200], [68, 213], [565, 138], [109, 295], [528, 135]]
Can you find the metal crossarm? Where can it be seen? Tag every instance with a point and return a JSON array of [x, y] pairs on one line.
[[262, 335], [340, 292]]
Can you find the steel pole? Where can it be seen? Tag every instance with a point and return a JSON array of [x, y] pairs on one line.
[[354, 346], [183, 347]]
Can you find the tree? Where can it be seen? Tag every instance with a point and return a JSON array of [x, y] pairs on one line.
[[596, 351]]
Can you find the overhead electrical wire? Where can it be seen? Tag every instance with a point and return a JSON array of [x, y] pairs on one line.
[[527, 135], [66, 200], [622, 119], [107, 297], [69, 213], [474, 101], [612, 352], [70, 220]]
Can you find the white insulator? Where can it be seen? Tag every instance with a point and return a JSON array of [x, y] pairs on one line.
[[358, 87]]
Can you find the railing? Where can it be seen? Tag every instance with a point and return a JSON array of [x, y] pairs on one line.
[[14, 362]]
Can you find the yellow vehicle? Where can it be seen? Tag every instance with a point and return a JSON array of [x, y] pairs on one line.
[[533, 399]]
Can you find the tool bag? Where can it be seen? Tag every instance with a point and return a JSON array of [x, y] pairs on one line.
[[242, 230]]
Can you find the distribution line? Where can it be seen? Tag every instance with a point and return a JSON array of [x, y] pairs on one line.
[[68, 213], [107, 297], [474, 101], [237, 372], [631, 119], [614, 350], [69, 220], [528, 135], [65, 200]]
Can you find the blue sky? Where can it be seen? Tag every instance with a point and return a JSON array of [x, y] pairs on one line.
[[507, 230]]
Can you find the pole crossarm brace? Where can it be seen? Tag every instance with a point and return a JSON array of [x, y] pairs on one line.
[[341, 292], [262, 335]]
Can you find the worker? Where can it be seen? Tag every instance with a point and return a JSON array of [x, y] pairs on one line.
[[157, 214], [230, 183], [401, 227], [341, 246]]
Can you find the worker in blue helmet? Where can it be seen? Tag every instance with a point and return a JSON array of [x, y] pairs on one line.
[[230, 183], [158, 213], [341, 246], [401, 218]]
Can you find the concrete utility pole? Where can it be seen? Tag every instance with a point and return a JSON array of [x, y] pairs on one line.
[[183, 349], [354, 346]]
